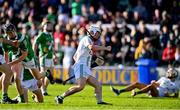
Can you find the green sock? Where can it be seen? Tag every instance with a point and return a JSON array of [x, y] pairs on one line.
[[22, 98]]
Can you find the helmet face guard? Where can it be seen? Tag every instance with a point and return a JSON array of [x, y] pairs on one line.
[[93, 30], [9, 28], [171, 73]]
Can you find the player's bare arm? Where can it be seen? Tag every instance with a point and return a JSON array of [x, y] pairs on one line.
[[19, 59], [97, 47]]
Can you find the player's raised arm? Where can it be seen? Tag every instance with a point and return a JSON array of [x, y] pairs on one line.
[[97, 47]]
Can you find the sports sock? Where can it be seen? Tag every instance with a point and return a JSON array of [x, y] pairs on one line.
[[122, 90], [98, 98], [139, 92], [62, 96], [22, 97], [4, 95]]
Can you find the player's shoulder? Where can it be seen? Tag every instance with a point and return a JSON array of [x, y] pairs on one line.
[[20, 37], [164, 78], [86, 38], [41, 34]]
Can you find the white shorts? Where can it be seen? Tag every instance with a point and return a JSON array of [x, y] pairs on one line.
[[44, 62], [161, 91], [81, 70], [30, 84], [30, 64], [2, 60]]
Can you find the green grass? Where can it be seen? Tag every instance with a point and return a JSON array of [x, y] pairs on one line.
[[86, 100]]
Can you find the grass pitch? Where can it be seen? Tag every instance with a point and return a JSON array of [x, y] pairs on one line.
[[85, 100]]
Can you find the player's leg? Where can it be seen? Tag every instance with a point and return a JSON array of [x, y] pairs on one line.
[[45, 66], [1, 77], [17, 69], [44, 81], [33, 68], [128, 88], [33, 85], [81, 82], [6, 70], [25, 95], [97, 86], [36, 73], [151, 87]]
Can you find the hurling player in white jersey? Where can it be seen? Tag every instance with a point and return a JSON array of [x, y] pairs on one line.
[[164, 87], [82, 68]]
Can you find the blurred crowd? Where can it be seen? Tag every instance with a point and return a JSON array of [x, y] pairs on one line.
[[129, 43]]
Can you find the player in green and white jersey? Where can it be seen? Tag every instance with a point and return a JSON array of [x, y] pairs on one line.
[[6, 72], [23, 54], [28, 82], [45, 44]]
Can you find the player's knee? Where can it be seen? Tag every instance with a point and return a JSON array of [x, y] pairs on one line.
[[38, 78], [16, 78], [39, 83], [80, 88], [151, 85]]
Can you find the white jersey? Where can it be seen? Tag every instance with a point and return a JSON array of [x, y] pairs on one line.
[[167, 86], [82, 54]]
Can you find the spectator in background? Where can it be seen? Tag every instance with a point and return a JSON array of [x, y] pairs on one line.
[[176, 63], [156, 17], [116, 48], [149, 51], [11, 16], [131, 51], [175, 11], [51, 14], [126, 16], [141, 9], [57, 38], [63, 12], [76, 11], [143, 31], [166, 20], [92, 17], [33, 31], [176, 34], [138, 52], [168, 55], [164, 37], [136, 18], [69, 49]]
